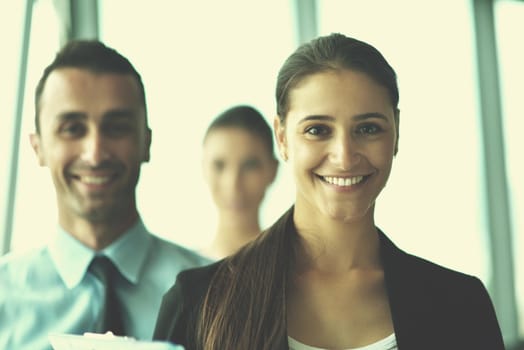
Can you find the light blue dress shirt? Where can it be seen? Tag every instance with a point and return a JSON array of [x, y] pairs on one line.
[[50, 291]]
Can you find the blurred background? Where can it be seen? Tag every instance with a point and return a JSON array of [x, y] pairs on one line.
[[454, 196]]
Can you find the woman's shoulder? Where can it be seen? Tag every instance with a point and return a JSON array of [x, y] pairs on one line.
[[417, 276], [181, 304], [395, 258], [195, 279], [425, 296]]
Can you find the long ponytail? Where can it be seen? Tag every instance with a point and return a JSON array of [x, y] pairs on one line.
[[245, 306]]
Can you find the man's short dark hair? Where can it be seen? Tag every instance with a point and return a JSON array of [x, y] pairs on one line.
[[91, 55]]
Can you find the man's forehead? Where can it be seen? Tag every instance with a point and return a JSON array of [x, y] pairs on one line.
[[74, 77], [74, 89]]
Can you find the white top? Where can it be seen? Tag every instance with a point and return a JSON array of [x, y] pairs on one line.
[[388, 343]]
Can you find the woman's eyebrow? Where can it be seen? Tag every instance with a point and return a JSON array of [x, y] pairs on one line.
[[317, 117], [357, 117]]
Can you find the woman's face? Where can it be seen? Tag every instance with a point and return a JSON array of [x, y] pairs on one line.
[[238, 169], [339, 137]]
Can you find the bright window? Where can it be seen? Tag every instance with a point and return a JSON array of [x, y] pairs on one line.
[[11, 21], [35, 208], [510, 26]]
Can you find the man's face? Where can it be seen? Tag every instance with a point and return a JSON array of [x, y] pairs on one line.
[[93, 137]]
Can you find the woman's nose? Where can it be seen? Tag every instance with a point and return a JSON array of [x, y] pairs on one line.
[[345, 152]]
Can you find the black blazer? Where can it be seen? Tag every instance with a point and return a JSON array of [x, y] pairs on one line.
[[432, 307]]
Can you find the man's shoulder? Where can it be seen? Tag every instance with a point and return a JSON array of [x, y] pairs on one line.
[[19, 269], [20, 260], [181, 255]]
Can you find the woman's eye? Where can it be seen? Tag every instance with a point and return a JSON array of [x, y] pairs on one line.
[[218, 165], [368, 129], [250, 164], [317, 130]]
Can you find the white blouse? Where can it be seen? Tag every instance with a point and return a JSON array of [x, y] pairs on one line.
[[388, 343]]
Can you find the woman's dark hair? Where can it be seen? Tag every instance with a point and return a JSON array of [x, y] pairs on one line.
[[245, 305], [93, 56], [333, 52], [246, 118]]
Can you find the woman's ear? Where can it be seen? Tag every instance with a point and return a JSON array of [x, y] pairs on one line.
[[280, 137], [397, 127]]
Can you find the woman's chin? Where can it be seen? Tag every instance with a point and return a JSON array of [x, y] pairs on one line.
[[345, 214]]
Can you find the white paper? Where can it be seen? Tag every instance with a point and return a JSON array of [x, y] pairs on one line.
[[106, 342]]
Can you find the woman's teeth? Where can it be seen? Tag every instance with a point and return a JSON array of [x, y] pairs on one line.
[[343, 181]]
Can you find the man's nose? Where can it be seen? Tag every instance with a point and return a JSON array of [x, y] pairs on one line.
[[95, 148]]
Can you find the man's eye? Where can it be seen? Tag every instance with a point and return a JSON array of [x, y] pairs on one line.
[[117, 129], [73, 129]]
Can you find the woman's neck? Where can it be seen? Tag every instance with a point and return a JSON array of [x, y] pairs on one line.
[[334, 245], [233, 232]]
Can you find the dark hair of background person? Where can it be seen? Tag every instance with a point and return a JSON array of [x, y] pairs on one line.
[[91, 55], [245, 306], [246, 118]]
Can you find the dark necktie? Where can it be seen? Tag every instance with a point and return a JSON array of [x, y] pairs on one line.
[[110, 318]]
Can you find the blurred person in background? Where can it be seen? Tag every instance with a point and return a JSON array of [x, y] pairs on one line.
[[238, 165]]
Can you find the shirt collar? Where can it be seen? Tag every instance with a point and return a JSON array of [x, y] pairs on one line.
[[128, 253]]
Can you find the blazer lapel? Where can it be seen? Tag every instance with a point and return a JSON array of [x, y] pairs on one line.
[[405, 299]]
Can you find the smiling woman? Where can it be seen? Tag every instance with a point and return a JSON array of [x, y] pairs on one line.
[[324, 276], [340, 127]]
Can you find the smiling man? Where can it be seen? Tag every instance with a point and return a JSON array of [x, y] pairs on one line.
[[92, 134]]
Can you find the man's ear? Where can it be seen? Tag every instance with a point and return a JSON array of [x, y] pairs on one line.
[[36, 144], [280, 137], [147, 145]]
